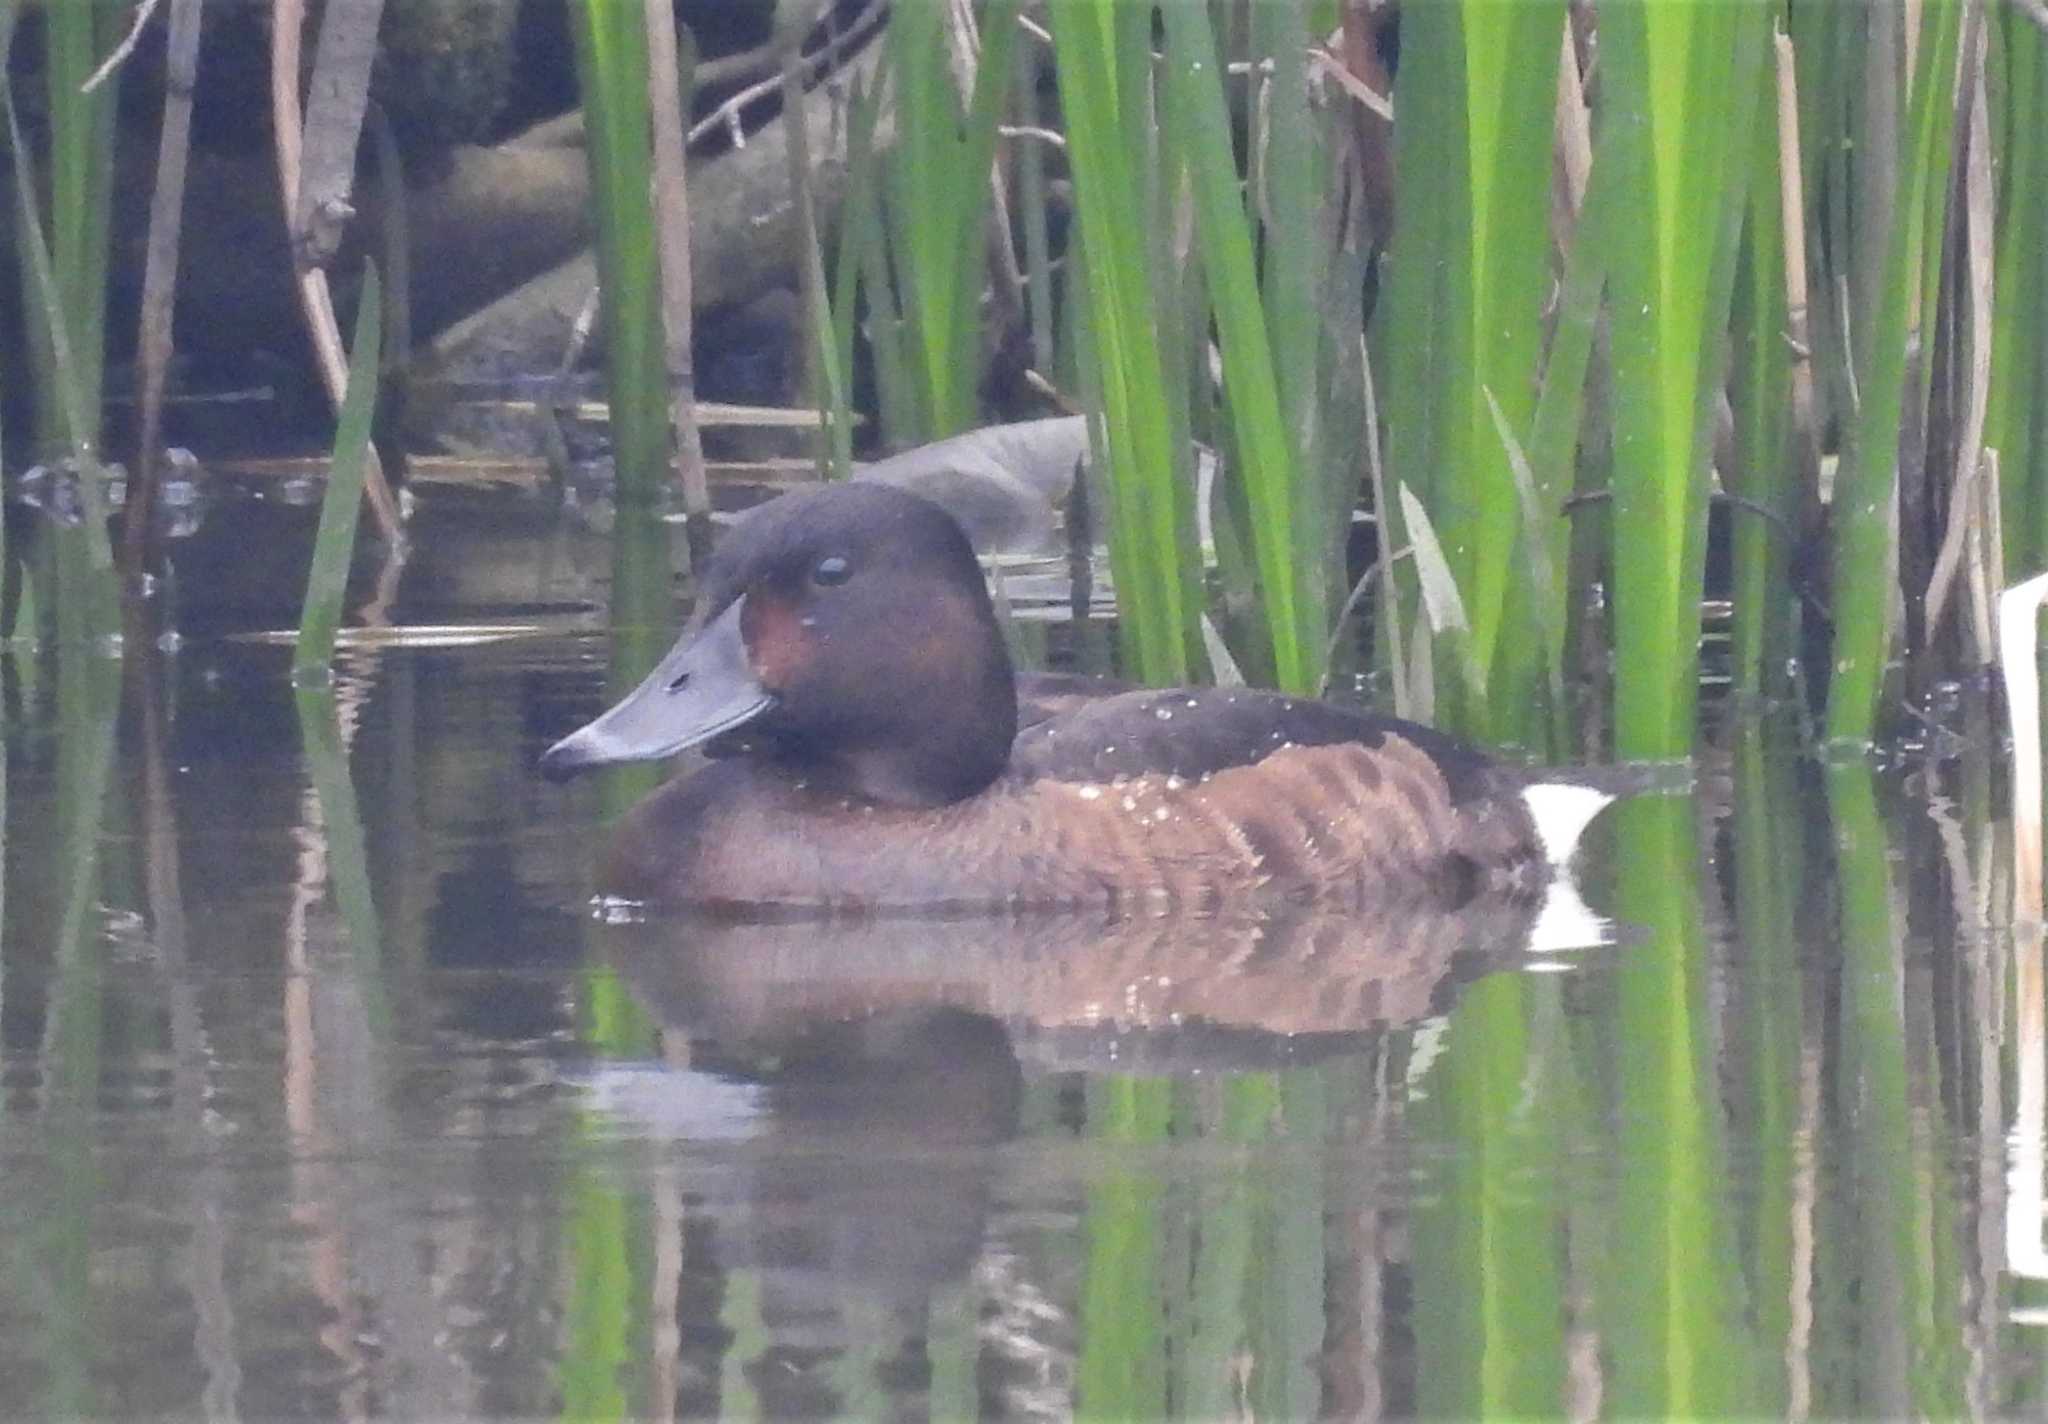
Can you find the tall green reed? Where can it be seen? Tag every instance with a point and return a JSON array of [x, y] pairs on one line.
[[76, 38], [1203, 307], [1469, 277], [2018, 80], [938, 199], [611, 65], [1684, 89], [1103, 54], [65, 277], [1904, 188], [915, 230], [1266, 332], [1760, 395]]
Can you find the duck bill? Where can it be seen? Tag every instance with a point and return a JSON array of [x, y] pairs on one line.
[[705, 686]]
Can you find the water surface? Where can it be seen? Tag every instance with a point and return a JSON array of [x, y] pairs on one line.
[[325, 1090]]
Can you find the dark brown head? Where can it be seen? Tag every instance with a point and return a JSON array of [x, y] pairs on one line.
[[848, 630]]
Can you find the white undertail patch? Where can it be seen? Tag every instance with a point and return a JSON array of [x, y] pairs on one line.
[[1561, 812], [1565, 923]]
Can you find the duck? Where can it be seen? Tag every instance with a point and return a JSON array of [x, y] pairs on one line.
[[845, 671]]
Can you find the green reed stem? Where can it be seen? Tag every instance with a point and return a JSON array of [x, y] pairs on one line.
[[1683, 86], [1760, 393], [1270, 428], [1867, 488], [1471, 275], [2019, 122], [611, 66], [1106, 117], [938, 200], [334, 545]]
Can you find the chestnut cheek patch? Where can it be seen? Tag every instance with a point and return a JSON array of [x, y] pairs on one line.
[[778, 646]]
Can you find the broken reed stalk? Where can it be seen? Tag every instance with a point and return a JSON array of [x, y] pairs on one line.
[[160, 268], [316, 298], [338, 97], [672, 247]]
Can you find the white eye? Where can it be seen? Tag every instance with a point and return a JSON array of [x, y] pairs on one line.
[[830, 570]]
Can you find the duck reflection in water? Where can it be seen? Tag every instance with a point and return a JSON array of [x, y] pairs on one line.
[[882, 1064]]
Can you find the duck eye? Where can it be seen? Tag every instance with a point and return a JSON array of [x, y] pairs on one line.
[[830, 570]]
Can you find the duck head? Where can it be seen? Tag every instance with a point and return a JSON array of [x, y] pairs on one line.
[[848, 631]]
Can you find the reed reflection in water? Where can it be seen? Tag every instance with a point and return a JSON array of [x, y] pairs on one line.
[[323, 1091]]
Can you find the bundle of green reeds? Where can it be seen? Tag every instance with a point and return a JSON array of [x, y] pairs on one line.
[[1757, 268]]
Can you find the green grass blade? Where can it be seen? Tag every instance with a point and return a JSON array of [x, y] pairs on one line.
[[1445, 606], [939, 194], [87, 609], [81, 179], [1541, 544], [1510, 99], [1157, 608], [74, 394], [1470, 278], [334, 545], [1271, 466], [1760, 392]]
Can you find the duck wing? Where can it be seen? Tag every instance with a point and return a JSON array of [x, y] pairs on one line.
[[1195, 733]]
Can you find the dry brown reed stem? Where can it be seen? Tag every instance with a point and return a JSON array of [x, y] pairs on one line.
[[1978, 216], [160, 267], [1964, 509], [810, 259], [842, 42], [2019, 609], [137, 22], [316, 299], [2026, 1196], [672, 246], [1798, 335], [1574, 131], [1985, 557], [1009, 294], [1376, 471], [1331, 67]]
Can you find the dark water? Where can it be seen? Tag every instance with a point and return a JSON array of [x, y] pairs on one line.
[[326, 1092]]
